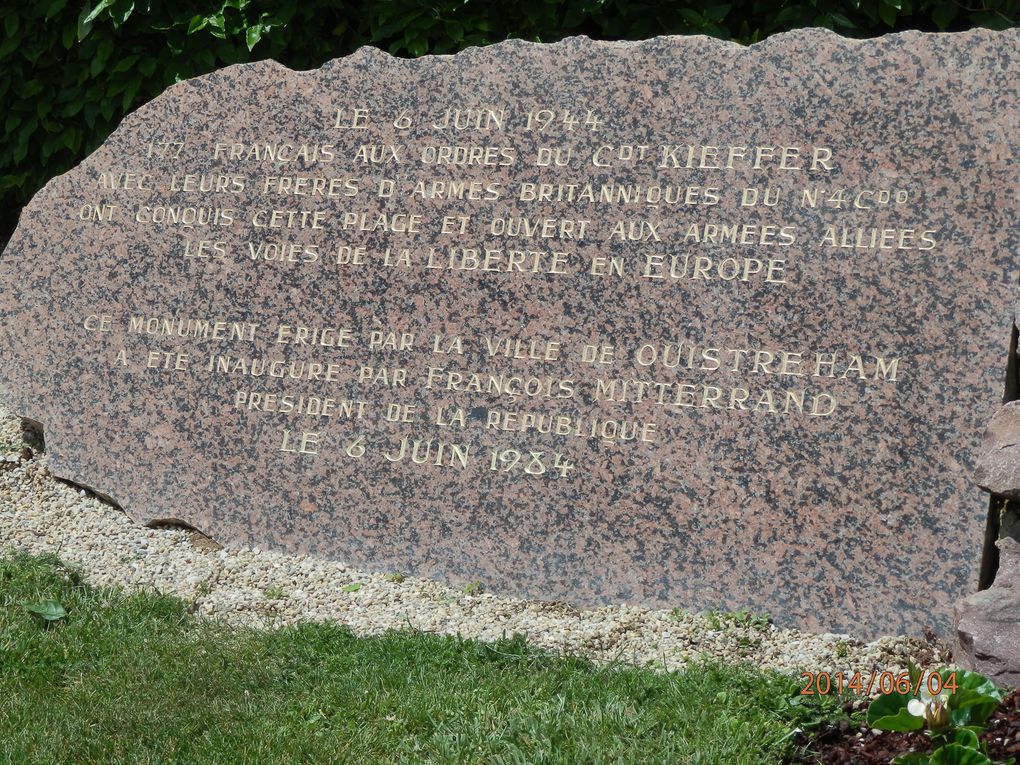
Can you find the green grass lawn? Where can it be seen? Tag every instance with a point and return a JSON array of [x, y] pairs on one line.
[[136, 679]]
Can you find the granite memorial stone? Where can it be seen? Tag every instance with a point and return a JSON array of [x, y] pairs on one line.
[[675, 322]]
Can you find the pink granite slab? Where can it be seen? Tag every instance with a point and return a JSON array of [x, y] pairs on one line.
[[849, 507]]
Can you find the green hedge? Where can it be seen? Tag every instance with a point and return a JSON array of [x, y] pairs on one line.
[[70, 71]]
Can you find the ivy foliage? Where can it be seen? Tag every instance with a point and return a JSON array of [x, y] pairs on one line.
[[70, 70]]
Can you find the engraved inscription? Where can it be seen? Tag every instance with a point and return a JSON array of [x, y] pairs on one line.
[[670, 217]]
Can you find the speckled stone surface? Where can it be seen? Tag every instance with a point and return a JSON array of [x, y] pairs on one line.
[[988, 623], [998, 463], [833, 491]]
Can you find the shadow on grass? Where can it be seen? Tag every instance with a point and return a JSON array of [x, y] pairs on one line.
[[135, 678]]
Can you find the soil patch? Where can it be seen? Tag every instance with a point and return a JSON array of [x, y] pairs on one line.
[[847, 744]]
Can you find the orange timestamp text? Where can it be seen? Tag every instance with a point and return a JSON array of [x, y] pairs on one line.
[[885, 683]]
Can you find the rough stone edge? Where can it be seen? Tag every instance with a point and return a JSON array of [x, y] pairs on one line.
[[769, 45], [982, 642]]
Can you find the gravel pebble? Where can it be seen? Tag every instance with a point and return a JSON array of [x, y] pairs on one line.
[[252, 587]]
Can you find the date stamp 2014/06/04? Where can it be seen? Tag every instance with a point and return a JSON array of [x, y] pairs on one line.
[[868, 683]]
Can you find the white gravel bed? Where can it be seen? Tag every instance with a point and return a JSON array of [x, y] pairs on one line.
[[252, 587]]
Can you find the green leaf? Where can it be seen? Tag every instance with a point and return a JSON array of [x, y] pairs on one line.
[[969, 707], [454, 30], [197, 23], [888, 705], [30, 89], [48, 147], [966, 737], [205, 59], [102, 6], [84, 25], [388, 26], [975, 699], [33, 53], [888, 14], [11, 24], [129, 94], [787, 17], [954, 754], [71, 139], [692, 17], [417, 47], [125, 12], [901, 721], [48, 610], [216, 27], [913, 671], [54, 8], [975, 681], [103, 51], [717, 12], [914, 758], [126, 63], [253, 35], [352, 587], [9, 46]]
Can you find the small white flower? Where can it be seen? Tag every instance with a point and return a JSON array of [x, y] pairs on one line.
[[934, 709]]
